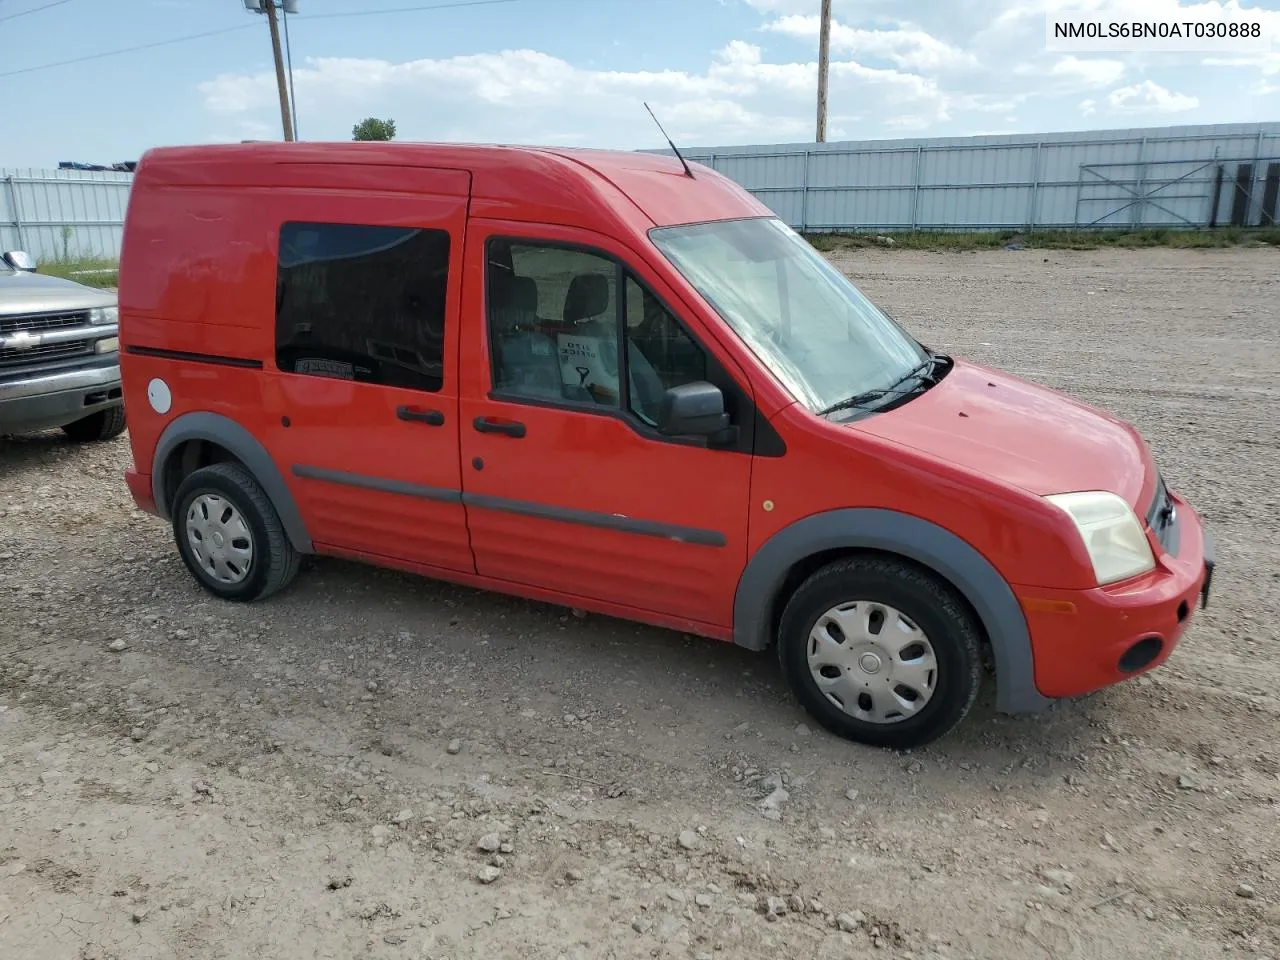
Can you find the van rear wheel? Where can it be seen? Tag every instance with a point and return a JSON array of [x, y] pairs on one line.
[[880, 652], [230, 536]]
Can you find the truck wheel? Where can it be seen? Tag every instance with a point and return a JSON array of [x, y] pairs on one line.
[[96, 427], [229, 534], [880, 652]]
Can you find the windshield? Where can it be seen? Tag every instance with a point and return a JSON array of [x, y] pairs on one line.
[[807, 323]]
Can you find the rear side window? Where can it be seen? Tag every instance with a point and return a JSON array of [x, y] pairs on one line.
[[364, 303]]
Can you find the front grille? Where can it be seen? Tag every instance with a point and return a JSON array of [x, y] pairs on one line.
[[46, 352], [1161, 517], [19, 359], [38, 322]]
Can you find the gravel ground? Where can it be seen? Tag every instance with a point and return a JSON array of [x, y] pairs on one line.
[[373, 765]]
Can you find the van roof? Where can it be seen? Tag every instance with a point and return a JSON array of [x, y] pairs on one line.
[[655, 184]]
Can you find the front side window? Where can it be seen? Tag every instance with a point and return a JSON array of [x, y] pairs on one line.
[[364, 303], [805, 321], [553, 323], [660, 354], [556, 327]]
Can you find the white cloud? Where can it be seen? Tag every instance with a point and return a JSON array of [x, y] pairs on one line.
[[1266, 63], [528, 95], [910, 123], [986, 103], [894, 84], [1070, 75], [778, 6], [904, 45], [1150, 97], [1089, 73], [1016, 32], [960, 66]]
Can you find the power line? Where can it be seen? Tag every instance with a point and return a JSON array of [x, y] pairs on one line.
[[214, 33], [23, 13], [433, 6], [114, 53]]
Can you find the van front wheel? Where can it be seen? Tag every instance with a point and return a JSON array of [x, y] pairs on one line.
[[880, 652], [229, 534]]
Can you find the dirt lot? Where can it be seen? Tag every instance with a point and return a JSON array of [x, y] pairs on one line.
[[316, 776]]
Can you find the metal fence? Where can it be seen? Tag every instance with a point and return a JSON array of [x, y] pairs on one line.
[[63, 214], [1174, 177]]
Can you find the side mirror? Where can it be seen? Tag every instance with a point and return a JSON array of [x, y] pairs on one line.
[[20, 260], [693, 409]]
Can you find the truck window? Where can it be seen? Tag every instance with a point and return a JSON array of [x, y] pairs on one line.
[[364, 303], [554, 322]]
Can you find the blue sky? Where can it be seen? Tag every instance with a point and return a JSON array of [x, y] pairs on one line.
[[575, 72]]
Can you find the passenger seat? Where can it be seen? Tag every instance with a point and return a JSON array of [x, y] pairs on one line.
[[527, 358]]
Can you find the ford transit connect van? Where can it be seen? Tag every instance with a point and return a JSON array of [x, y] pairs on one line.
[[604, 380]]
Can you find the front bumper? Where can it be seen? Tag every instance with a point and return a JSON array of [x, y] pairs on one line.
[[43, 401], [1084, 640], [140, 489]]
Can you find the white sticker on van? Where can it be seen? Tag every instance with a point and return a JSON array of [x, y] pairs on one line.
[[584, 362], [325, 368], [159, 396]]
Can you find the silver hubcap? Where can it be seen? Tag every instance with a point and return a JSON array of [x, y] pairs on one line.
[[220, 539], [872, 662]]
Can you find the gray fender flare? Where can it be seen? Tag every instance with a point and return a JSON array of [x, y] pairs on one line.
[[245, 447], [927, 544]]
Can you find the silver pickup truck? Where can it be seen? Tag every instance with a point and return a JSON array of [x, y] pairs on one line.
[[59, 355]]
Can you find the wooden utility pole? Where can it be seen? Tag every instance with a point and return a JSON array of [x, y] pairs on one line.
[[824, 64], [285, 114]]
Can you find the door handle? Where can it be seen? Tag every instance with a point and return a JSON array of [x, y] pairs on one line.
[[512, 428], [432, 418]]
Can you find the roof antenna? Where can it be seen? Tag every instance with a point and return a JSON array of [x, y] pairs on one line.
[[687, 171]]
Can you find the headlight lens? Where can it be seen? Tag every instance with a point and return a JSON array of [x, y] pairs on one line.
[[1111, 532], [101, 316]]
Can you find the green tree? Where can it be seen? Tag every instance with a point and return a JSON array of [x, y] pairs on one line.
[[371, 128]]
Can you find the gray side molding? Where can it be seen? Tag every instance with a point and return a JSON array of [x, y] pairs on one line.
[[227, 433], [913, 538]]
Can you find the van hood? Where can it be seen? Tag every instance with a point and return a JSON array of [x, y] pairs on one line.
[[1023, 434]]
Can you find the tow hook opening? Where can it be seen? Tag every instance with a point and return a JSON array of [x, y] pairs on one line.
[[1141, 654], [101, 396]]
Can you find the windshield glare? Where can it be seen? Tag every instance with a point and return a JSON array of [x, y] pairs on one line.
[[806, 321]]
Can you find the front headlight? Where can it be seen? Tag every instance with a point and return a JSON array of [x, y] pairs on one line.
[[102, 316], [1111, 533]]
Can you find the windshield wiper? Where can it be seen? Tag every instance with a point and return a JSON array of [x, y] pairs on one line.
[[922, 370]]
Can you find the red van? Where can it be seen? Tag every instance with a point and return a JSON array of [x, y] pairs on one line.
[[602, 380]]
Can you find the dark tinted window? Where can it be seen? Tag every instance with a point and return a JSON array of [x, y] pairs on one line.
[[362, 303]]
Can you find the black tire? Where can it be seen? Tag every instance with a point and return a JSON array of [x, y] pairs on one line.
[[921, 598], [274, 562], [96, 427]]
